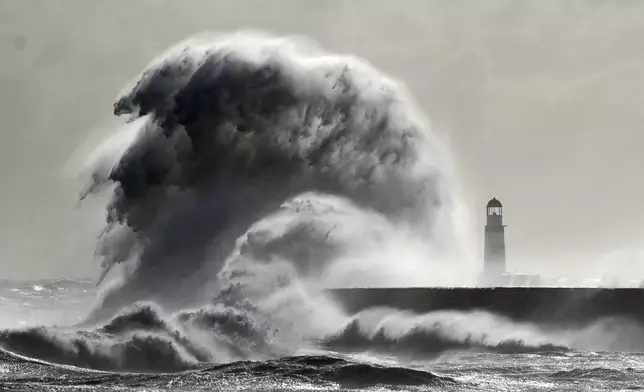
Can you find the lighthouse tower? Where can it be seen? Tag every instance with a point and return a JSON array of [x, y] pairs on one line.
[[494, 256]]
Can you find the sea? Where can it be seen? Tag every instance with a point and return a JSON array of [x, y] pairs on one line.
[[45, 303]]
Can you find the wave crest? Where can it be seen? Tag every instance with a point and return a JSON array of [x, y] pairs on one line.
[[228, 130], [431, 334], [142, 338]]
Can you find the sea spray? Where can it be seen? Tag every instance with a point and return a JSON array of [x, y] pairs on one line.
[[229, 130]]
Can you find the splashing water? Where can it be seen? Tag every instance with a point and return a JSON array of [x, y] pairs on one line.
[[258, 170], [321, 156]]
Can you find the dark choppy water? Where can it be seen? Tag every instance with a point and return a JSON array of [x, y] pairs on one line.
[[64, 302]]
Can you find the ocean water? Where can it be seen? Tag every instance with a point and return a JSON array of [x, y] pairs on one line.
[[31, 304]]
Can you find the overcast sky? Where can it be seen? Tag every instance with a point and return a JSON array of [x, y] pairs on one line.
[[542, 104]]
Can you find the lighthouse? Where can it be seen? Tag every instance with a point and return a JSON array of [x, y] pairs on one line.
[[494, 254]]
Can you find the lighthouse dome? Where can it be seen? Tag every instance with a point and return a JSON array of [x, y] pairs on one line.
[[494, 203]]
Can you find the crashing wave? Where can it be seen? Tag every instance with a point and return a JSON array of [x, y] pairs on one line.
[[431, 334], [143, 339], [224, 132]]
